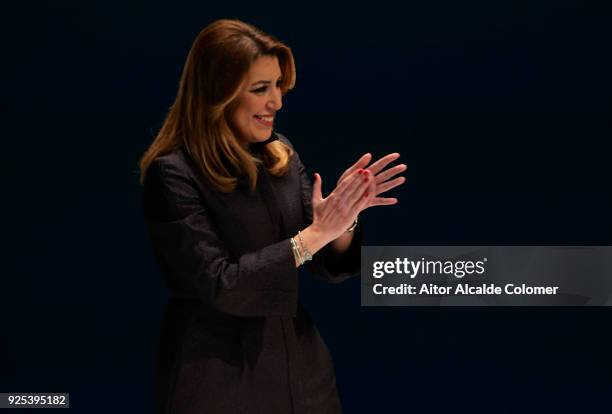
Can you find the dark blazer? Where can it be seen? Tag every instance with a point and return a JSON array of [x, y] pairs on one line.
[[234, 338]]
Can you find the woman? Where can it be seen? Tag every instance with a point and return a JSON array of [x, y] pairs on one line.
[[232, 215]]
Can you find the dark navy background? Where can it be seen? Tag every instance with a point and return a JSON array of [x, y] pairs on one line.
[[502, 112]]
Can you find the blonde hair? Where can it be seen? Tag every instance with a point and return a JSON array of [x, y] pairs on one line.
[[212, 78]]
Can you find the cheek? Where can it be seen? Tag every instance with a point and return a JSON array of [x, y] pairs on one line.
[[243, 119], [243, 123], [240, 118]]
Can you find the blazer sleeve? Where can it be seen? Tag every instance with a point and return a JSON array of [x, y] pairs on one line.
[[190, 252], [326, 264]]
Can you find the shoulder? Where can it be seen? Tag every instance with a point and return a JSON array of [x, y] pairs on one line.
[[170, 173], [169, 185], [282, 138], [295, 158], [173, 166], [177, 160], [295, 161]]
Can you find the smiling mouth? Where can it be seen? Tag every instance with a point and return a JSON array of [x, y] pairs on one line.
[[266, 120]]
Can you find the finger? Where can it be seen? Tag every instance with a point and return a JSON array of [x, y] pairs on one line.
[[364, 201], [352, 183], [361, 163], [385, 175], [361, 204], [365, 186], [317, 196], [348, 192], [336, 199], [382, 201], [381, 188], [383, 162]]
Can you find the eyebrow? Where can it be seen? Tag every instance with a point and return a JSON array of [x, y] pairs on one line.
[[266, 82]]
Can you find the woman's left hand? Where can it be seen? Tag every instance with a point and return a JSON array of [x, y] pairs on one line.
[[382, 178]]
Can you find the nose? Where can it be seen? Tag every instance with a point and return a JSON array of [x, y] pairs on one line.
[[276, 99]]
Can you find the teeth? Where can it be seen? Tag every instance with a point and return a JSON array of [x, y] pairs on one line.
[[265, 118]]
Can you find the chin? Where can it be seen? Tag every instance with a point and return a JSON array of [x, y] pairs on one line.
[[262, 137]]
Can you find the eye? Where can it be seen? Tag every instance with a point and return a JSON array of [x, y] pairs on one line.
[[264, 88], [260, 90]]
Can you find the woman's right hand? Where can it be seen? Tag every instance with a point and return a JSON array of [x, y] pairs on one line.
[[335, 213], [357, 189]]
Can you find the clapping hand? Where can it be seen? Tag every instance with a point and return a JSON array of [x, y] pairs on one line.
[[382, 179], [357, 189]]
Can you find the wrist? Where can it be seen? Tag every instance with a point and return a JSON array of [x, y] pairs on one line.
[[315, 238], [352, 228], [342, 243]]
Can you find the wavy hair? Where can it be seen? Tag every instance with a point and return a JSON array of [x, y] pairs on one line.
[[213, 76]]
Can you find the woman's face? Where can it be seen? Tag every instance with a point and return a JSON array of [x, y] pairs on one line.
[[256, 105]]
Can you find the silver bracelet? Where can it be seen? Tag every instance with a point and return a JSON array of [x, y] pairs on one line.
[[296, 251], [307, 254], [350, 229]]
